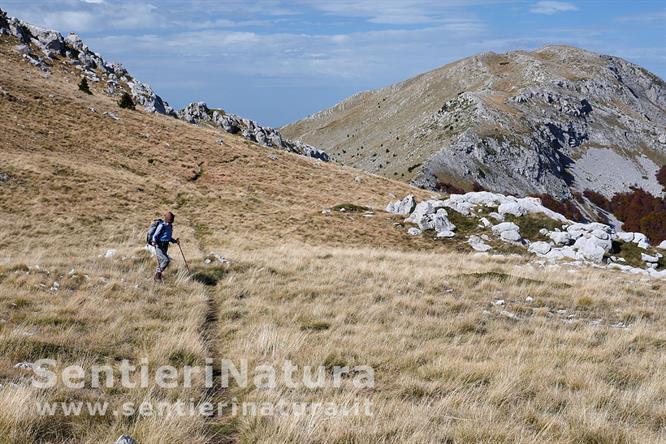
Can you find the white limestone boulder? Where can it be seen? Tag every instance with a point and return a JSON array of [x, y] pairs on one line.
[[560, 237], [540, 248], [478, 244], [511, 236], [505, 226], [649, 258], [402, 207], [422, 212]]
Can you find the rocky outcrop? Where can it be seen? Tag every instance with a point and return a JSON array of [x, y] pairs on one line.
[[402, 207], [144, 95], [559, 239], [4, 23], [200, 113], [50, 42], [42, 47], [195, 112]]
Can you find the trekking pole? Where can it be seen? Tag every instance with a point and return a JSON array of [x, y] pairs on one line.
[[184, 260]]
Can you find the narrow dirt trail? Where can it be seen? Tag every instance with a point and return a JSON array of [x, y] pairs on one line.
[[221, 428]]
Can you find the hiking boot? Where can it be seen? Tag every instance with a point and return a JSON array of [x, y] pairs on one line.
[[158, 277]]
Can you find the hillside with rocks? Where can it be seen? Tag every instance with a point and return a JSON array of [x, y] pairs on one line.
[[555, 121], [44, 49], [487, 219]]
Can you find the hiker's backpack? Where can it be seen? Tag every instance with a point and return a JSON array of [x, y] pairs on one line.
[[151, 230]]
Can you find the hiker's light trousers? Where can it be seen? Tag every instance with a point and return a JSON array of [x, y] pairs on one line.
[[163, 258]]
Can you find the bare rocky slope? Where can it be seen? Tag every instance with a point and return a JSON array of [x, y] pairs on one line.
[[551, 121]]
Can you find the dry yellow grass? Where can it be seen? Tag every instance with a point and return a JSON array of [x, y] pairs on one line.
[[450, 365]]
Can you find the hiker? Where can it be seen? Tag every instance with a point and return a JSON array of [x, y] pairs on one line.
[[161, 239]]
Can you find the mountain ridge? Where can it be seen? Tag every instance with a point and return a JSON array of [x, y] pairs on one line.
[[547, 115], [41, 47]]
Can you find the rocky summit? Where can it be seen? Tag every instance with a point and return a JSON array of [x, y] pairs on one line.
[[551, 121], [41, 47]]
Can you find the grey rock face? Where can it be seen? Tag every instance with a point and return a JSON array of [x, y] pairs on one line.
[[51, 42], [74, 40], [4, 23], [19, 30], [199, 112], [195, 112], [144, 95]]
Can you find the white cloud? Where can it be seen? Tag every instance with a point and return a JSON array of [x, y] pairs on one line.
[[650, 17], [552, 7], [82, 16], [396, 12], [69, 20]]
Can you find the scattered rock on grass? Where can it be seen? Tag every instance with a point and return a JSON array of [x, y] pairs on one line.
[[126, 439], [478, 244], [215, 258], [25, 365]]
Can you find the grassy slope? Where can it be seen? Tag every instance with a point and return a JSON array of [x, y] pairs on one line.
[[448, 363]]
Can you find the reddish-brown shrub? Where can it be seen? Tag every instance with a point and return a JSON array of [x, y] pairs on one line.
[[449, 188], [654, 226], [661, 177], [568, 209], [477, 187], [641, 211], [598, 199]]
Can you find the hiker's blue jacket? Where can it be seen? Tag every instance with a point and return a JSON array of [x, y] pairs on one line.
[[163, 233]]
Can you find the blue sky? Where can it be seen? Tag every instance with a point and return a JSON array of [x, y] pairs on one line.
[[277, 61]]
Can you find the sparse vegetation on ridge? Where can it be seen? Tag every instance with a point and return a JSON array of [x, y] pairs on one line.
[[126, 101], [83, 86]]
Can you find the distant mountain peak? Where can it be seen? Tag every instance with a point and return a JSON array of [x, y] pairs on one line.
[[557, 120]]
